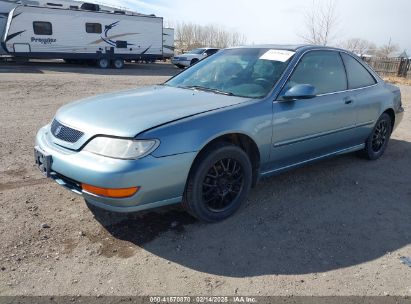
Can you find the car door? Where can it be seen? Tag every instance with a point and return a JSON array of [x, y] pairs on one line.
[[368, 98], [307, 129]]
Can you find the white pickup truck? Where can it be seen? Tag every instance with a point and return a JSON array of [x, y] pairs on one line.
[[193, 56]]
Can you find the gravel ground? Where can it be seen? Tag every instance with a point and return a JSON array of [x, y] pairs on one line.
[[338, 227]]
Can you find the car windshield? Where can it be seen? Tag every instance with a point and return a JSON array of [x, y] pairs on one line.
[[196, 51], [244, 72]]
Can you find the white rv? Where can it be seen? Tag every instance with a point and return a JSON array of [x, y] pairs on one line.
[[77, 34], [168, 43]]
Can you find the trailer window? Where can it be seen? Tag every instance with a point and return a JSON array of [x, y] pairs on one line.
[[93, 28], [42, 28]]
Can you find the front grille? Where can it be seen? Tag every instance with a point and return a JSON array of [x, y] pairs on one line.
[[65, 133]]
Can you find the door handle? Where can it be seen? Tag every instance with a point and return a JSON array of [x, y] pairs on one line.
[[348, 100]]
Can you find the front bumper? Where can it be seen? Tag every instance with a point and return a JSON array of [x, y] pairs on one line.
[[161, 180]]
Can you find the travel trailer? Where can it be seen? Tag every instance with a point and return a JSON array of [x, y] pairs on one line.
[[168, 43], [83, 33]]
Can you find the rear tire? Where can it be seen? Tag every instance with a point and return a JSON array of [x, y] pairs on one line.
[[118, 63], [378, 140], [218, 183], [194, 61], [103, 63]]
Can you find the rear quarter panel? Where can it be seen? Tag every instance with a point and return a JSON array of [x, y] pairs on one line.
[[370, 104]]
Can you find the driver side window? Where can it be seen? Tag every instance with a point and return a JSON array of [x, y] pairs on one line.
[[322, 69]]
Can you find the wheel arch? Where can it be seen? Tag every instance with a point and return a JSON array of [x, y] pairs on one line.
[[245, 142], [391, 113]]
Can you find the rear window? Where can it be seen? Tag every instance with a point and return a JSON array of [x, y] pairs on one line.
[[42, 28], [357, 74], [210, 52], [93, 28]]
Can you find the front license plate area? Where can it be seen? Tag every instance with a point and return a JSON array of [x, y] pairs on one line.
[[43, 161]]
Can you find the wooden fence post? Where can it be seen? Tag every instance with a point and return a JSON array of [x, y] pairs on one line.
[[400, 68], [403, 67]]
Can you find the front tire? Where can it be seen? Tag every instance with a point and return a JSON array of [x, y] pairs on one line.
[[378, 140], [218, 183], [103, 63]]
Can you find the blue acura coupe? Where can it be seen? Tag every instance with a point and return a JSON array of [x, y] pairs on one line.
[[207, 135]]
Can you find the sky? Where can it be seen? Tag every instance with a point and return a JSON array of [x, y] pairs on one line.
[[282, 21]]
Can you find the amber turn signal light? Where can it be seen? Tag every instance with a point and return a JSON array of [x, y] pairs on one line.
[[112, 193]]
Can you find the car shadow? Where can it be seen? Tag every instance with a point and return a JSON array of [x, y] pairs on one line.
[[333, 214], [130, 69]]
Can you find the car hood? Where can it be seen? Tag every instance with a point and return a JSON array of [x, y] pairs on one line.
[[128, 113]]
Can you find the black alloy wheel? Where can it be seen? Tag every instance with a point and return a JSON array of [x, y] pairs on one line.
[[378, 140], [380, 135], [222, 184], [219, 182]]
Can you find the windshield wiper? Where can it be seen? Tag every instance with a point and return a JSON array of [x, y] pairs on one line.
[[200, 88]]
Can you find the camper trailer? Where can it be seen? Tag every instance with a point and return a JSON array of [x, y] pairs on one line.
[[168, 43], [86, 33]]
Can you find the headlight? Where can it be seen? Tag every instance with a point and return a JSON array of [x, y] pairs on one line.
[[121, 148]]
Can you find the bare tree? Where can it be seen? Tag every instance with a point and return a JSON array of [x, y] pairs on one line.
[[387, 49], [321, 21], [359, 46], [190, 35]]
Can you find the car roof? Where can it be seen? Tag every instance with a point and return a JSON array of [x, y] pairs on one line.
[[288, 47]]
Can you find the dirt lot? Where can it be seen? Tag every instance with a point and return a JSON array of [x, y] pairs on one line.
[[338, 227]]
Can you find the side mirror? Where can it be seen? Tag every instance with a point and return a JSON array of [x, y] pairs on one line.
[[300, 91]]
